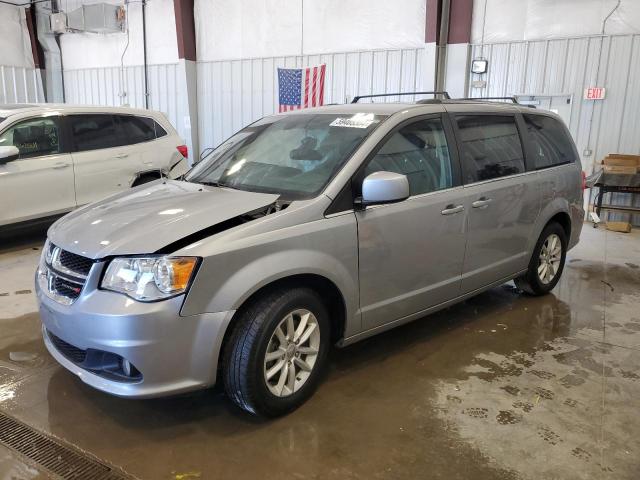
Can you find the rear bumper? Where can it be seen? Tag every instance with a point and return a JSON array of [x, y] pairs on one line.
[[174, 354]]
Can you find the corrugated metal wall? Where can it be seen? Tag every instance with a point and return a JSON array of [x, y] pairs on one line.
[[103, 86], [19, 85], [568, 66], [234, 93]]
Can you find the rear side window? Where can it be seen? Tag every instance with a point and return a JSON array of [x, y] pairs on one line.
[[93, 132], [550, 143], [419, 151], [33, 138], [491, 146], [137, 129], [160, 132]]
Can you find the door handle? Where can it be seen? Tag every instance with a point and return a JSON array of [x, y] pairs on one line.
[[122, 155], [451, 209], [481, 203], [60, 165]]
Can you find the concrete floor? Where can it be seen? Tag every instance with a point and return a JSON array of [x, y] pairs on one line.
[[500, 386]]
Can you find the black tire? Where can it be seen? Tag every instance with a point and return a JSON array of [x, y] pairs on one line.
[[146, 178], [244, 355], [530, 282]]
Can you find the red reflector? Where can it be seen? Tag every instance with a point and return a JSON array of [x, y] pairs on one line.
[[584, 180], [184, 151]]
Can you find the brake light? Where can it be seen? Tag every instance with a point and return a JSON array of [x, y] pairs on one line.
[[584, 181], [184, 151]]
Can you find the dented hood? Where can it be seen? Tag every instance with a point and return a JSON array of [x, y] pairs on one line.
[[149, 218]]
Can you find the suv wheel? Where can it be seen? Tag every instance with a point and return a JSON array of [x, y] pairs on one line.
[[547, 262], [146, 178], [275, 356]]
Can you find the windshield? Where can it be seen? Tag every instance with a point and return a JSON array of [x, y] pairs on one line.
[[294, 156]]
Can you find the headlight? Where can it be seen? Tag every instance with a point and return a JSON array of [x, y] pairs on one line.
[[149, 278], [47, 252]]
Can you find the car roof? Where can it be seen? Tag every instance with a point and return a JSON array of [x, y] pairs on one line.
[[6, 110], [389, 108]]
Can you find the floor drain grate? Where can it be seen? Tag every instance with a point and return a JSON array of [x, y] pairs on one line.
[[52, 454]]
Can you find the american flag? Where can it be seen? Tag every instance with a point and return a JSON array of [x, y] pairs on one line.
[[300, 87]]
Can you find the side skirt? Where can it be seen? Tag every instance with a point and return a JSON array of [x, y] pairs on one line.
[[409, 318]]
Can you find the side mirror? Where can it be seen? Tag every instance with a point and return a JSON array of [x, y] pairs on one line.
[[9, 154], [384, 187]]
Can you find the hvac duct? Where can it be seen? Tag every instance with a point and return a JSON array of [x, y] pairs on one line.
[[96, 18], [53, 81]]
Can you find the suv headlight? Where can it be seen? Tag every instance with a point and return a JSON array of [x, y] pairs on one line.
[[149, 278]]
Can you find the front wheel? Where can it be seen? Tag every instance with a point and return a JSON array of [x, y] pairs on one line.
[[275, 356], [547, 262]]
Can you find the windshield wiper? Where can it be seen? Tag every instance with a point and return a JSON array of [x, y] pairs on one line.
[[215, 184]]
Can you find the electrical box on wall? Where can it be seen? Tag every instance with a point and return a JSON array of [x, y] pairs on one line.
[[58, 22]]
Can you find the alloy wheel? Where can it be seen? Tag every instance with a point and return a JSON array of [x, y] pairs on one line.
[[549, 259], [292, 353]]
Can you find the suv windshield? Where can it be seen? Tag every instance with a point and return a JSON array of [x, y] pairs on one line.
[[294, 156]]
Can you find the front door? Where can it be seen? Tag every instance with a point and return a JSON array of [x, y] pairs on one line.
[[411, 252], [40, 182], [502, 201]]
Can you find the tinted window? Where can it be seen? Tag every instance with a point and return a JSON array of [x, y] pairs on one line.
[[550, 143], [160, 132], [490, 145], [137, 129], [420, 152], [34, 138], [92, 132]]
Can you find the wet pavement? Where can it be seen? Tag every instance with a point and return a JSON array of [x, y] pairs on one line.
[[502, 386]]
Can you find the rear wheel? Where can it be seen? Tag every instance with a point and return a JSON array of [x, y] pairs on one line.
[[274, 359], [146, 178], [547, 262]]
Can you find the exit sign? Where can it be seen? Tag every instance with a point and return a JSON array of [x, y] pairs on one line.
[[594, 93]]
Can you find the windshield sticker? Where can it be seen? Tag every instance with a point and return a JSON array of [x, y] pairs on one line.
[[359, 120]]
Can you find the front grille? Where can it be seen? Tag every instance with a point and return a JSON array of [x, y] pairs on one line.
[[66, 288], [74, 354], [64, 274], [75, 263]]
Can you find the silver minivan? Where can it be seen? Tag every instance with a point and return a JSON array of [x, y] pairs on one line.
[[304, 230]]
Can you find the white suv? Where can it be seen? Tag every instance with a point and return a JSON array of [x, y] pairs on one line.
[[54, 158]]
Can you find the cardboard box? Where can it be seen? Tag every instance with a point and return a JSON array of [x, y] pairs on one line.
[[620, 169], [624, 227], [620, 160], [624, 155]]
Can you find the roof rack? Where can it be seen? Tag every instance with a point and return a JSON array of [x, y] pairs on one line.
[[512, 99], [443, 93]]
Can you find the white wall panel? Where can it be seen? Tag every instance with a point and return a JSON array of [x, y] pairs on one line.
[[19, 85], [110, 50], [228, 29], [568, 66], [516, 20], [233, 93], [15, 45]]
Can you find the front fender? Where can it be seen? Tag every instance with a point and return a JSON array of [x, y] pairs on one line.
[[327, 248], [261, 272]]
